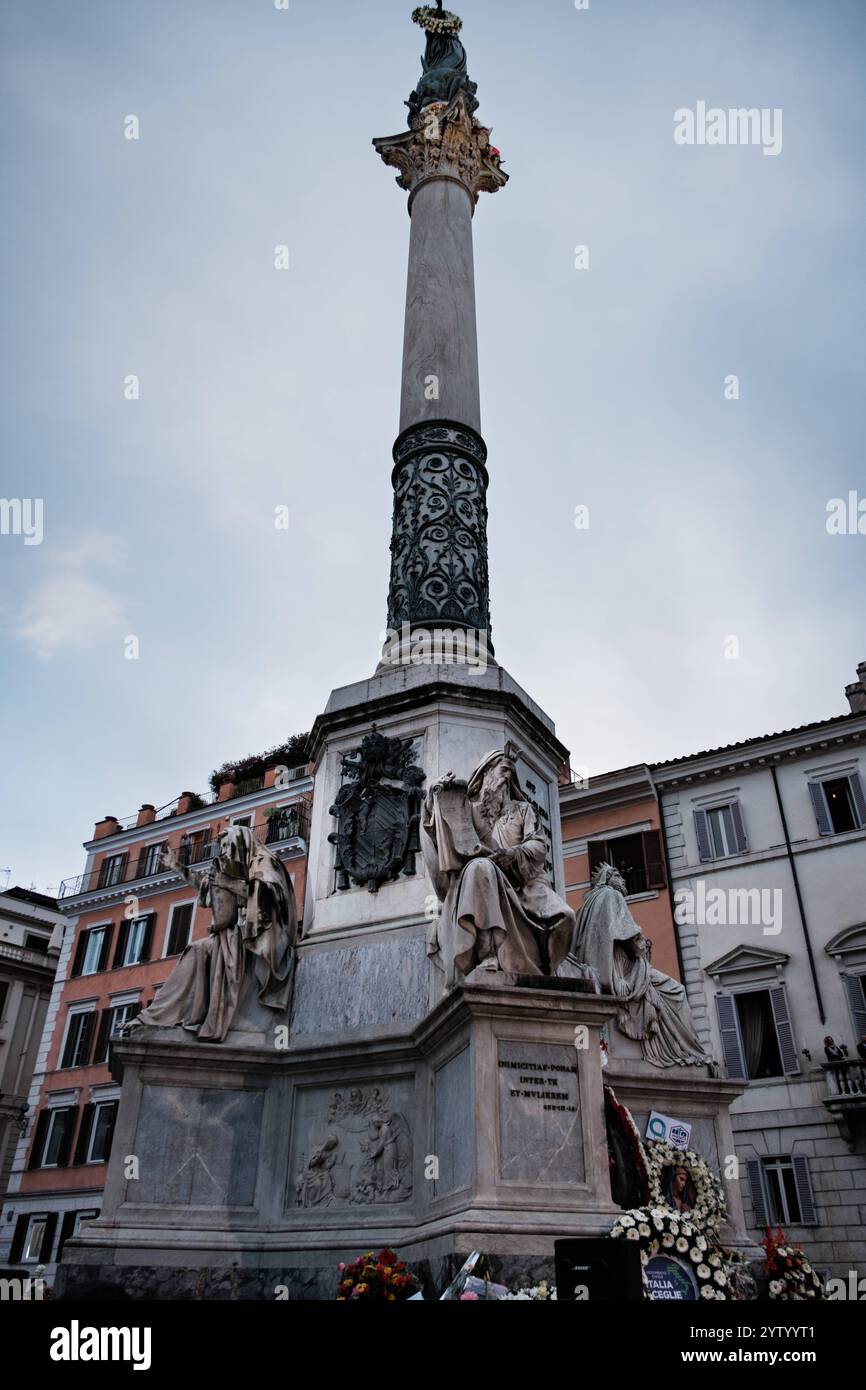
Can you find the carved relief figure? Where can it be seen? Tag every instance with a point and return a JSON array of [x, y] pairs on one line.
[[486, 857], [365, 1156], [253, 927], [655, 1010]]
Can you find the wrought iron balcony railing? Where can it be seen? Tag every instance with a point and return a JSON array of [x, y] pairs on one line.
[[286, 823]]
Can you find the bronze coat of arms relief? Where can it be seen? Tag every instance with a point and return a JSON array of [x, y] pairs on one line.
[[378, 810]]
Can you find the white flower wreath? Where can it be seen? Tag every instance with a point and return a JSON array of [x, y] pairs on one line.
[[709, 1209], [657, 1229], [437, 21]]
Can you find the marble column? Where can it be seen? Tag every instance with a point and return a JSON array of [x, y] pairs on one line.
[[439, 538]]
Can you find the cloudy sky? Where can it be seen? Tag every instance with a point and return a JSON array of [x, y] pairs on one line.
[[260, 387]]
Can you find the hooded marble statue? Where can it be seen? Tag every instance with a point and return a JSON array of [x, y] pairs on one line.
[[486, 858], [654, 1010], [254, 925]]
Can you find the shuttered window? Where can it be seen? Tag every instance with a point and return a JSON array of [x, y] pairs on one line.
[[720, 831], [839, 804], [96, 1132], [52, 1141], [92, 950], [110, 1023], [729, 1032], [756, 1034], [639, 858], [855, 986], [79, 1039], [178, 933], [39, 1239], [134, 941], [112, 871]]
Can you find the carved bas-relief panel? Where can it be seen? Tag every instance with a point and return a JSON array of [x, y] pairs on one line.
[[540, 1132], [197, 1147], [352, 1147]]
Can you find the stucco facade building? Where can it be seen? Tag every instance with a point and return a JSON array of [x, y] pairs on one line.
[[125, 921], [766, 842]]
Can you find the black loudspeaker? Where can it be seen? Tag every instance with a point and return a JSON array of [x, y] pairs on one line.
[[597, 1269]]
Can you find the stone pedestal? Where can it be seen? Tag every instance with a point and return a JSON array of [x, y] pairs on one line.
[[261, 1169]]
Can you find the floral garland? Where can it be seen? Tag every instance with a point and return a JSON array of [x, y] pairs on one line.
[[791, 1276], [708, 1210], [659, 1230], [638, 1153], [437, 21]]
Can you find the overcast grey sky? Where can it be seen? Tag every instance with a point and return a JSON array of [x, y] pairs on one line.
[[259, 387]]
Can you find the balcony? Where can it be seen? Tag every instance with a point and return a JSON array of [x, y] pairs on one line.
[[25, 955], [846, 1096], [287, 823]]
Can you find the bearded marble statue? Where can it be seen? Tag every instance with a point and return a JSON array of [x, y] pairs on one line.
[[253, 930], [654, 1008], [486, 858]]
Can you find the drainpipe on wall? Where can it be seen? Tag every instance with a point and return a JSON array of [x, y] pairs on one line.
[[791, 860]]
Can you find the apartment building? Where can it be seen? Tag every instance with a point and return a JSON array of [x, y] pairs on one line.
[[766, 841], [126, 920], [31, 932]]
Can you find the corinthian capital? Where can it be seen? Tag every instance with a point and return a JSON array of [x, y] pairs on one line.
[[445, 141]]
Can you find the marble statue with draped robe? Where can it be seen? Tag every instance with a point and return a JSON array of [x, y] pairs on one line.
[[486, 858], [253, 931], [654, 1008]]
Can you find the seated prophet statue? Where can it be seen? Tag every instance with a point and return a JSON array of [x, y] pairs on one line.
[[486, 857], [654, 1008], [253, 926]]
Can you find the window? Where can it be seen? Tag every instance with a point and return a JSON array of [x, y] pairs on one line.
[[638, 857], [33, 1240], [720, 831], [179, 930], [112, 870], [35, 1237], [97, 1130], [242, 820], [71, 1225], [283, 824], [36, 942], [91, 952], [110, 1023], [79, 1035], [53, 1138], [120, 1015], [133, 943], [781, 1189], [194, 849], [855, 986], [150, 860], [839, 804], [756, 1033]]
